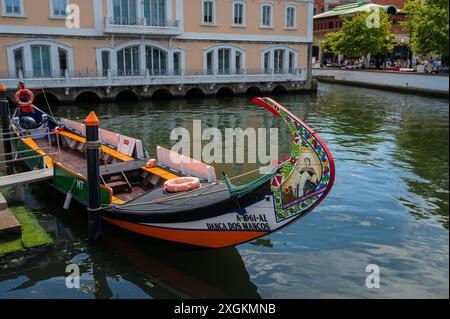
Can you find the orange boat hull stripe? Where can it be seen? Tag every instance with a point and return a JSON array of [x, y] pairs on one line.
[[213, 239]]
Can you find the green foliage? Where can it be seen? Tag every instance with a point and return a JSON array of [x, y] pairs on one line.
[[427, 24], [361, 35]]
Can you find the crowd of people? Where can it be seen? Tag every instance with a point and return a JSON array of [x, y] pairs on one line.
[[420, 65]]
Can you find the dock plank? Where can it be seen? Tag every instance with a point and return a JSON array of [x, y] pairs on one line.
[[26, 177]]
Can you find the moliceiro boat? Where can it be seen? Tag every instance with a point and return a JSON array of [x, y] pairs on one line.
[[173, 197]]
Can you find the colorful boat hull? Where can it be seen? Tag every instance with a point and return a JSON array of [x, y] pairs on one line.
[[302, 181]]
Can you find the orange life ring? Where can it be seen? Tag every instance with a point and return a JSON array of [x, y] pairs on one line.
[[20, 94], [181, 184]]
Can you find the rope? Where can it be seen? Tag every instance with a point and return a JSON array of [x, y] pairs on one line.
[[200, 191], [48, 104], [181, 195]]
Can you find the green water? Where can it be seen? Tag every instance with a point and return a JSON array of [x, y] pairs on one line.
[[389, 207]]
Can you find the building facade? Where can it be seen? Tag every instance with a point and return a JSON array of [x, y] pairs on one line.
[[332, 20], [153, 45]]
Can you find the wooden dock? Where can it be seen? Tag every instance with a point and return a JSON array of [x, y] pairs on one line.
[[26, 177]]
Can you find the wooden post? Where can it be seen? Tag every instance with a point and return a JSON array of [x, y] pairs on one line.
[[4, 111], [93, 165]]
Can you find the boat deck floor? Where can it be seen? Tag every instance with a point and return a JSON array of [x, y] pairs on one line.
[[72, 159], [76, 161]]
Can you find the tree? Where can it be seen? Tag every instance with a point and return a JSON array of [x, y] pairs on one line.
[[363, 34], [426, 22]]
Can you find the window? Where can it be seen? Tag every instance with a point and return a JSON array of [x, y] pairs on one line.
[[156, 60], [224, 61], [177, 63], [278, 62], [238, 13], [266, 16], [18, 61], [13, 7], [106, 63], [39, 58], [58, 8], [290, 17], [124, 12], [208, 12], [238, 62], [128, 61], [331, 25], [210, 63], [267, 63], [155, 12], [63, 65], [40, 55], [291, 62]]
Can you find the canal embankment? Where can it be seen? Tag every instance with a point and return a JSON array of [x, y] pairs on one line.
[[436, 85]]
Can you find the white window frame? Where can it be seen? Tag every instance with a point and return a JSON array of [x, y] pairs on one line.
[[271, 51], [6, 14], [286, 10], [142, 61], [27, 55], [244, 9], [215, 55], [266, 4], [59, 16], [213, 23]]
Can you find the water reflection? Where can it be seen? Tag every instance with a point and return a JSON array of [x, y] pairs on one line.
[[122, 265], [389, 206]]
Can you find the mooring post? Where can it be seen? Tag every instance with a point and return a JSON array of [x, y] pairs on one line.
[[4, 111], [93, 165]]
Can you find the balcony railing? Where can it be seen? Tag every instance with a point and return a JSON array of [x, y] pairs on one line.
[[142, 26], [86, 78]]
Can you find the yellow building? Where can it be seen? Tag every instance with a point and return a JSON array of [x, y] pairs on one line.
[[147, 46]]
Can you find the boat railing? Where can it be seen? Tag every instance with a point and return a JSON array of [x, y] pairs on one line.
[[13, 156]]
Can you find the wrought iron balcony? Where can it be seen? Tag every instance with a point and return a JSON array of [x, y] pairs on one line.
[[121, 25]]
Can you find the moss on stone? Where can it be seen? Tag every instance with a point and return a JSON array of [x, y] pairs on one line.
[[33, 235]]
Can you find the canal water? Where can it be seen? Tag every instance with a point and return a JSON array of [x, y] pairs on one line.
[[389, 207]]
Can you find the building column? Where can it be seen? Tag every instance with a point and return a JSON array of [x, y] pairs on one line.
[[142, 59]]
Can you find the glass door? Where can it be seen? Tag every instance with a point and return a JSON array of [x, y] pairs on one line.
[[155, 12], [41, 60]]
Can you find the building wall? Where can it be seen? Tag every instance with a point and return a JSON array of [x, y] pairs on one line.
[[84, 45], [37, 13], [224, 18]]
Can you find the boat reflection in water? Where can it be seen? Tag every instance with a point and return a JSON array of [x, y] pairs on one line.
[[149, 268]]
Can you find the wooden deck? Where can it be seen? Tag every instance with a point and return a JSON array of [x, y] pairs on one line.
[[26, 177], [76, 161]]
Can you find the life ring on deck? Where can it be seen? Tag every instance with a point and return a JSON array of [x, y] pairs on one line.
[[181, 184], [24, 98]]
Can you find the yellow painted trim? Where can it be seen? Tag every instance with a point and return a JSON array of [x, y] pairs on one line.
[[160, 172], [31, 143]]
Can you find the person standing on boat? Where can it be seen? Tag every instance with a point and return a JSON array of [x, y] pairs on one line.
[[24, 98]]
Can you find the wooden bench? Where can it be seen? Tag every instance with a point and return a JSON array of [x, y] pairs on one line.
[[125, 158]]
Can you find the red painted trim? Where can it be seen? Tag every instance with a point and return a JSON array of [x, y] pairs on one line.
[[261, 102]]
